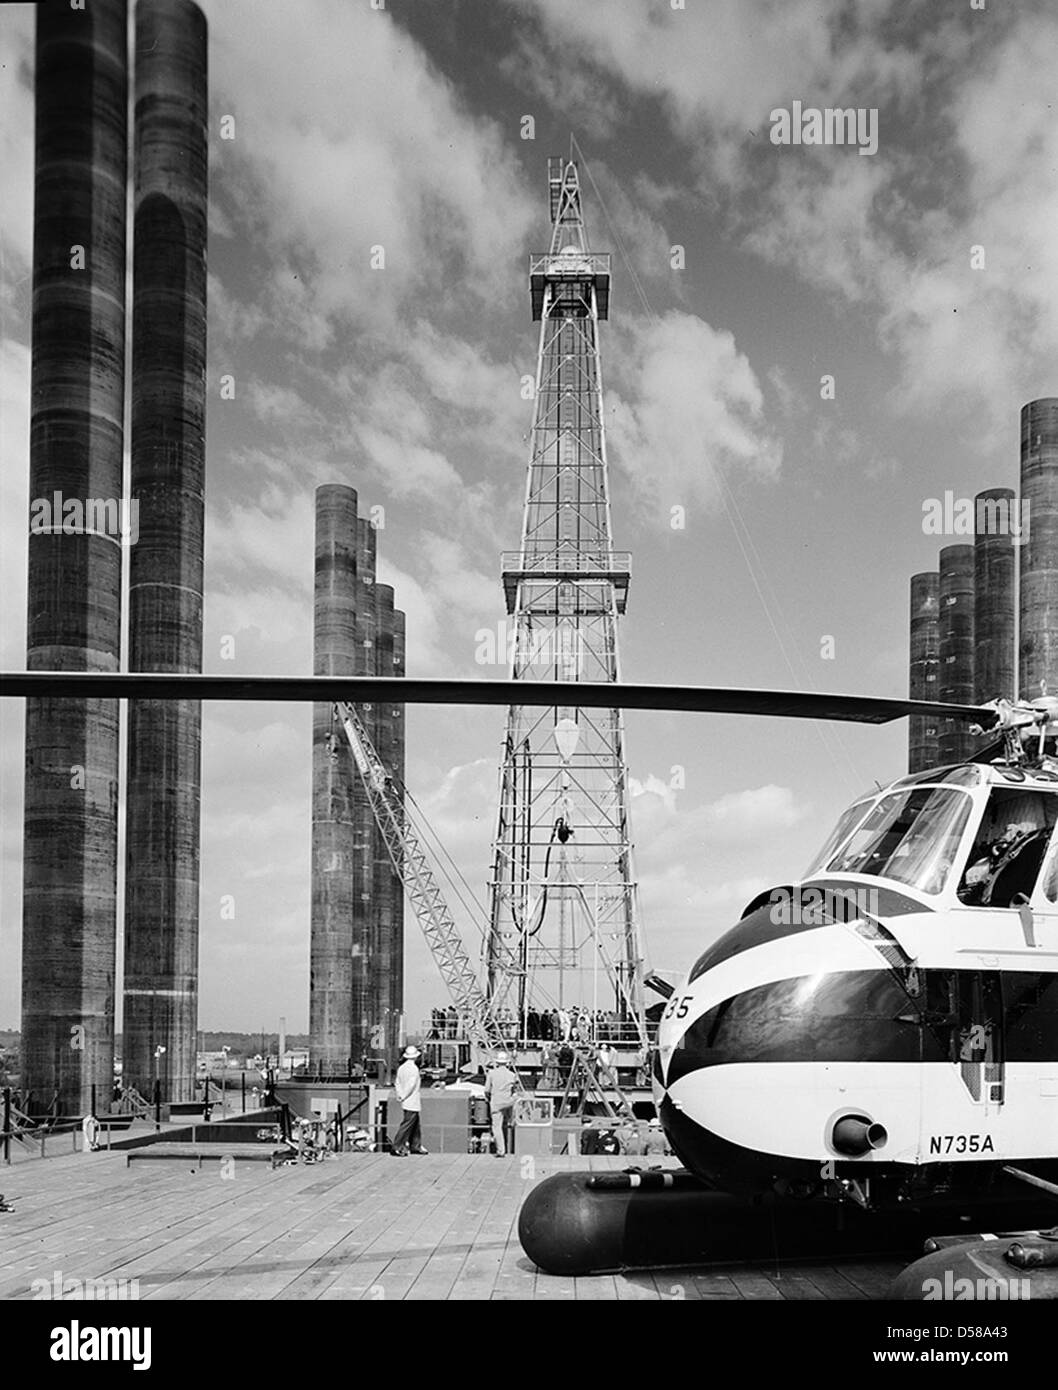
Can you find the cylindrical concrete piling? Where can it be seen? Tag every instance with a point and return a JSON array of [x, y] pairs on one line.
[[1038, 599], [75, 553], [335, 782], [995, 522], [381, 961], [394, 1003], [165, 569], [956, 641], [357, 971], [364, 1040], [922, 739]]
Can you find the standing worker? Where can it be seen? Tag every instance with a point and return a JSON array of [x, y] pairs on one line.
[[407, 1085], [655, 1145], [606, 1062], [500, 1086]]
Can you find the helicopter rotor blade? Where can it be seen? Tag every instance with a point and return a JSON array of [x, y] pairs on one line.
[[414, 690]]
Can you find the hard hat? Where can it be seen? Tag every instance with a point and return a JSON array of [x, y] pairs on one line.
[[411, 1052], [502, 1057]]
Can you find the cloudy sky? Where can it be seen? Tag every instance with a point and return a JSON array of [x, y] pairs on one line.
[[745, 273]]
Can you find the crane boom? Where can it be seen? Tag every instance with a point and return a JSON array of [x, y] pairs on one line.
[[425, 896]]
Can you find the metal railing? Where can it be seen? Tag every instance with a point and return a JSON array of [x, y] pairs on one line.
[[616, 1034], [574, 265], [552, 562]]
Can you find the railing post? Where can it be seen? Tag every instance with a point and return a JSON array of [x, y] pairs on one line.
[[157, 1104], [7, 1124]]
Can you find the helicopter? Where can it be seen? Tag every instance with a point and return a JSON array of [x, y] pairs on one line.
[[884, 1029]]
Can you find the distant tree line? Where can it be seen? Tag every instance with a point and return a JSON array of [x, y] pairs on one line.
[[241, 1045]]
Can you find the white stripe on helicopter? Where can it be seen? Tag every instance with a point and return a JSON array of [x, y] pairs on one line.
[[754, 1104]]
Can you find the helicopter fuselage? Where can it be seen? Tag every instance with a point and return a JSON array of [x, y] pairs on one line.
[[889, 1029]]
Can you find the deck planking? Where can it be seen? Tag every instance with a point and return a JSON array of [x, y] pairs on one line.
[[359, 1226]]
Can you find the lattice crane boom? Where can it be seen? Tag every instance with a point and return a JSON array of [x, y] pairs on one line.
[[424, 894]]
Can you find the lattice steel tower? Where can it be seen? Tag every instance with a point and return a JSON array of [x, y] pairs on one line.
[[563, 924]]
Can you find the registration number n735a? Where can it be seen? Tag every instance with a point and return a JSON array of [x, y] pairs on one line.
[[961, 1144]]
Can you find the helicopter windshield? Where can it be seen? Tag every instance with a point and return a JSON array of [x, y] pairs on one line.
[[837, 837], [910, 836]]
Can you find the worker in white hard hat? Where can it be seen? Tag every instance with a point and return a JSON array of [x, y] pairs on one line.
[[655, 1144], [500, 1087], [407, 1084]]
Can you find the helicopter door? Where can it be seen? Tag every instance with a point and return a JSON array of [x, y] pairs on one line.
[[964, 1010], [980, 1033]]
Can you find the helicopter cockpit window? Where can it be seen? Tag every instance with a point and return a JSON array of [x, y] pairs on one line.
[[964, 775], [850, 819], [1009, 848], [910, 836]]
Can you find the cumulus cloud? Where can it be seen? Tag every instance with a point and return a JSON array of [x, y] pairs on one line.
[[408, 468], [275, 404], [722, 65], [966, 157], [444, 609], [698, 866], [16, 155], [695, 408], [582, 97], [323, 169]]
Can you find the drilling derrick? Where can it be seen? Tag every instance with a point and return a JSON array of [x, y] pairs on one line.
[[563, 929]]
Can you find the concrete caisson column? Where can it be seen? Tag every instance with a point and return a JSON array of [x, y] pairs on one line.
[[956, 633], [334, 784], [382, 908], [75, 553], [166, 562], [1038, 603], [922, 751], [994, 550], [363, 943], [394, 984]]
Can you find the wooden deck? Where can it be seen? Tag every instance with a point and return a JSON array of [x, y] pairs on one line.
[[361, 1226]]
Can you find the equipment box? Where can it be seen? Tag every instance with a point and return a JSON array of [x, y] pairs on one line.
[[533, 1124], [445, 1120]]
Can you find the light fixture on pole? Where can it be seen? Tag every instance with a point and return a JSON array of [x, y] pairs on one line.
[[567, 736]]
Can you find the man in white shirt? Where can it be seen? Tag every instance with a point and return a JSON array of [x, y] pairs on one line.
[[408, 1139], [500, 1087]]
